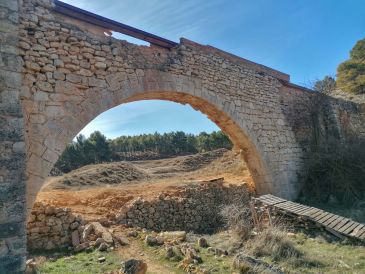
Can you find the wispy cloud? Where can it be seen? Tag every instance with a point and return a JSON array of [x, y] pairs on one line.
[[306, 39]]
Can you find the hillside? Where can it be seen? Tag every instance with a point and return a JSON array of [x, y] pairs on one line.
[[220, 162]]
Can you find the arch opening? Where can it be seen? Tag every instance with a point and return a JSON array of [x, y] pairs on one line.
[[47, 195], [239, 138]]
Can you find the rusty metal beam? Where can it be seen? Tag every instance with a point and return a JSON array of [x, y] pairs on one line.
[[109, 24]]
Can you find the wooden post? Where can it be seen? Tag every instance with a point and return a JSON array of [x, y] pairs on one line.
[[269, 215], [254, 216]]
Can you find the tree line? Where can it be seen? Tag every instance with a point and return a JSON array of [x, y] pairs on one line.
[[98, 149]]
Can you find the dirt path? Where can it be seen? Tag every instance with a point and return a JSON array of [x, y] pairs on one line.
[[135, 251]]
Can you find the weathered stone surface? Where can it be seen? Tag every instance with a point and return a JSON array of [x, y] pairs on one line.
[[81, 247], [103, 247], [88, 73], [75, 238], [194, 208], [268, 118], [50, 227], [174, 235], [12, 163], [152, 240], [121, 240], [87, 230], [102, 232], [101, 259]]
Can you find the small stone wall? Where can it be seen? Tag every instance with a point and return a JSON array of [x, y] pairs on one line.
[[194, 207], [51, 228]]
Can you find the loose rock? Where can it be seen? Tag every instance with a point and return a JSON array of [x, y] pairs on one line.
[[103, 247], [135, 267], [101, 259], [202, 242]]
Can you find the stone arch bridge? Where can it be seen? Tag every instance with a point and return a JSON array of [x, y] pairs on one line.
[[60, 67]]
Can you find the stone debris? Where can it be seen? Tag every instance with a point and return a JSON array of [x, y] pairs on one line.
[[102, 232], [99, 241], [101, 259], [202, 242], [173, 235], [170, 252], [103, 247], [121, 240], [134, 266], [87, 230], [50, 227], [132, 233], [154, 240], [194, 206], [217, 251], [81, 247]]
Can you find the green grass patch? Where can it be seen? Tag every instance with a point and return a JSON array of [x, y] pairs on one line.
[[81, 263], [215, 264], [322, 257], [318, 256]]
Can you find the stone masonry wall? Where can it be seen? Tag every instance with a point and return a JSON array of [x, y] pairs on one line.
[[12, 147], [73, 72], [50, 227], [192, 208], [59, 73], [316, 118]]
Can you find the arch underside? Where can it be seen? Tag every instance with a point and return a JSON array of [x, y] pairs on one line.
[[59, 130]]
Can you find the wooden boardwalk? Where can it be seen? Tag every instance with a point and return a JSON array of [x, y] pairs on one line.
[[335, 224]]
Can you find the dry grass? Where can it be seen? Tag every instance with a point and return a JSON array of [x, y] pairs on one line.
[[272, 241], [239, 219]]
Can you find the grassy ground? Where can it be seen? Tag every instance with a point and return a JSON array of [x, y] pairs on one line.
[[319, 256], [211, 263], [323, 257], [81, 263]]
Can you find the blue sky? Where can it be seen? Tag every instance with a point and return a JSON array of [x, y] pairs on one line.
[[304, 38]]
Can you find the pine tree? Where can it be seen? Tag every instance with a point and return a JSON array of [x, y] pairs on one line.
[[351, 73]]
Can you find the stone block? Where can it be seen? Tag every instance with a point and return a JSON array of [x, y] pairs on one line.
[[19, 147]]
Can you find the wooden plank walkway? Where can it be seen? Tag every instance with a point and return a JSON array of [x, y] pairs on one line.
[[333, 223]]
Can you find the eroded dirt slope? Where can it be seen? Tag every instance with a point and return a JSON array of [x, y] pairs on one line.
[[97, 190]]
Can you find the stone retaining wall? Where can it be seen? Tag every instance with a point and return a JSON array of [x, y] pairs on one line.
[[191, 208], [50, 227]]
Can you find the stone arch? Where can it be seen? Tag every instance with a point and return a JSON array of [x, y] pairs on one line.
[[60, 123]]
